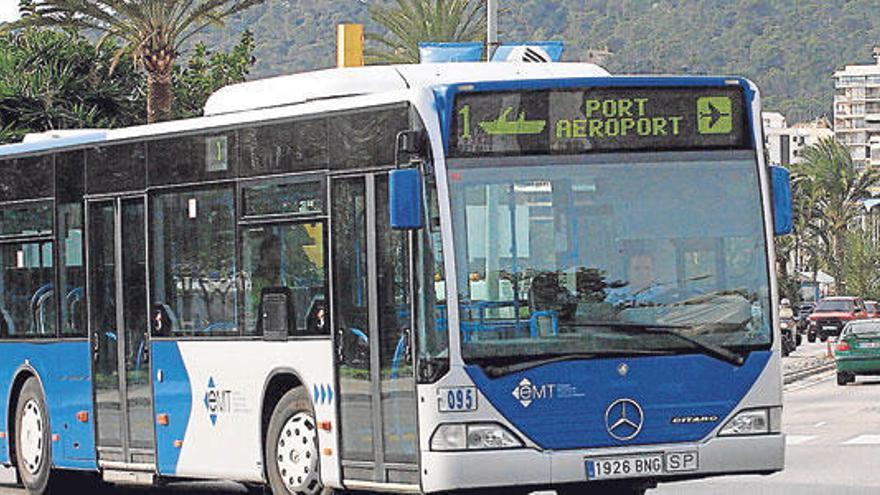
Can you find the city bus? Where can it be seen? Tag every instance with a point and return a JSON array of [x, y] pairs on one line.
[[411, 279]]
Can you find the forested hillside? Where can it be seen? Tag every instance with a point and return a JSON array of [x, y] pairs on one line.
[[789, 47]]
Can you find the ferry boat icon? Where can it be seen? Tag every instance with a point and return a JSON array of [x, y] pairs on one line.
[[502, 126]]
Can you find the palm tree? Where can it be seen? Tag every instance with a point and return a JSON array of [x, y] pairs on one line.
[[52, 79], [836, 188], [411, 22], [153, 31]]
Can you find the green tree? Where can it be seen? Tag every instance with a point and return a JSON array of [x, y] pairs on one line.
[[153, 31], [862, 266], [207, 71], [837, 189], [58, 80], [804, 246], [411, 22]]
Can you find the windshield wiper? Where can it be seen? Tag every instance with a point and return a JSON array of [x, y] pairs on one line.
[[709, 349], [500, 370]]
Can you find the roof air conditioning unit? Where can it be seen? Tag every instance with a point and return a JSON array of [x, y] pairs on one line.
[[527, 53]]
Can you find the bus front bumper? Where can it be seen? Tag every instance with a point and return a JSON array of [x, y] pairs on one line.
[[533, 469]]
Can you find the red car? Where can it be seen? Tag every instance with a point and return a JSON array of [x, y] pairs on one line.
[[832, 313]]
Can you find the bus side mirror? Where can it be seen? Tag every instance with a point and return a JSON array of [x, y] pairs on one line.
[[405, 199], [780, 178]]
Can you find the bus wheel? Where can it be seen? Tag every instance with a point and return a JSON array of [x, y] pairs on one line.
[[292, 447], [33, 454]]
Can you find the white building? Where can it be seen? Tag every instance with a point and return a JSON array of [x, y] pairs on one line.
[[857, 110], [786, 143]]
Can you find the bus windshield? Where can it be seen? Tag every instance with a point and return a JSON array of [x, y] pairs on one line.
[[562, 255]]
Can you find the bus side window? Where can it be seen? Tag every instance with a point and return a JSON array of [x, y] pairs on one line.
[[291, 257], [193, 262], [7, 327], [26, 288]]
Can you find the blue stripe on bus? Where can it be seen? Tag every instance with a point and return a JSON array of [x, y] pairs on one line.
[[173, 396], [64, 370], [563, 405], [444, 95]]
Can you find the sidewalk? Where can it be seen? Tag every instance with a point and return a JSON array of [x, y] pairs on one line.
[[807, 360]]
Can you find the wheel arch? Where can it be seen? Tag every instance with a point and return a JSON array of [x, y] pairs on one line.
[[278, 383], [20, 377]]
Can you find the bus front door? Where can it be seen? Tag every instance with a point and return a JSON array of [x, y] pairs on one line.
[[119, 334], [372, 320]]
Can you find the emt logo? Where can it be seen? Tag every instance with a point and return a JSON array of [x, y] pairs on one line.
[[526, 392], [217, 401]]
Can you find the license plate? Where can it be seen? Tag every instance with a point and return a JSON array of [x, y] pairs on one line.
[[829, 328], [634, 466], [869, 345]]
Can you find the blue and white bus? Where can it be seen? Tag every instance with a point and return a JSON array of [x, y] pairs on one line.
[[411, 279]]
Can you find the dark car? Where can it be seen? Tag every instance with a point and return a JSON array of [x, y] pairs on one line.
[[872, 308], [805, 309], [831, 314]]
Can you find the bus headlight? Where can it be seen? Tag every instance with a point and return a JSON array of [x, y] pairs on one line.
[[754, 422], [473, 436]]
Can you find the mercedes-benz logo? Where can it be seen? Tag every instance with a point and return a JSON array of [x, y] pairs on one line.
[[624, 419]]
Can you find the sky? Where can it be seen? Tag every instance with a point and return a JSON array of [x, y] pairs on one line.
[[8, 10]]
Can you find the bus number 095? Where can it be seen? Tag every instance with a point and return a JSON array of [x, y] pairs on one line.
[[458, 399]]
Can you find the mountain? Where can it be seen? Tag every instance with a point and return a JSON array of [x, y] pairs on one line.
[[788, 47]]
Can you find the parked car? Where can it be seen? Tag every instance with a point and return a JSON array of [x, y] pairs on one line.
[[858, 351], [831, 314], [803, 316], [873, 309]]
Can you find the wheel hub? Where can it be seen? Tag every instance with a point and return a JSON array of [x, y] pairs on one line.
[[298, 455], [31, 436]]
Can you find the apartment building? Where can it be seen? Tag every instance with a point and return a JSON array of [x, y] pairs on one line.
[[857, 110], [785, 143]]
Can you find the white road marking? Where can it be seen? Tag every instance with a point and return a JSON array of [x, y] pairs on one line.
[[820, 424], [798, 439], [864, 440]]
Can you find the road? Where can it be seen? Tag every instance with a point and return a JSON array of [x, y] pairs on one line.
[[833, 444]]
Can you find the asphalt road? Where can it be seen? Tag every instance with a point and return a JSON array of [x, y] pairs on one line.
[[833, 446]]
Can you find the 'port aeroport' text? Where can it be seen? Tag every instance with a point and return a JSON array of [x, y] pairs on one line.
[[617, 117]]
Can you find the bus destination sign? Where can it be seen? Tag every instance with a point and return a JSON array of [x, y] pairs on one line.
[[584, 120]]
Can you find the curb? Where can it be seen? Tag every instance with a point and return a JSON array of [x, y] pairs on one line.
[[806, 373]]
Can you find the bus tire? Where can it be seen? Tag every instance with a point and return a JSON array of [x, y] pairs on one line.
[[33, 444], [292, 460]]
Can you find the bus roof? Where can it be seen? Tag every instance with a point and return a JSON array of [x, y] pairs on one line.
[[260, 97], [333, 83]]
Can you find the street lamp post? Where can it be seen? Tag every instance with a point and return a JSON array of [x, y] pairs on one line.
[[491, 27]]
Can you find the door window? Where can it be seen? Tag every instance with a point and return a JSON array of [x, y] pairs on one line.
[[352, 319], [395, 324]]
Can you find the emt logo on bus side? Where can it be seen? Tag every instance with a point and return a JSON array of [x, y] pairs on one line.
[[526, 392], [219, 401], [216, 400]]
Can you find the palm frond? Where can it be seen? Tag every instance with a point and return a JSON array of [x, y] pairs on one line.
[[410, 22]]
